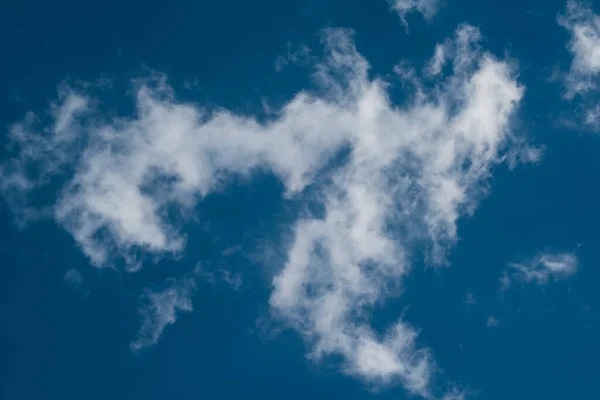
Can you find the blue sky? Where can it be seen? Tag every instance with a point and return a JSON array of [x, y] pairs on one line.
[[324, 199]]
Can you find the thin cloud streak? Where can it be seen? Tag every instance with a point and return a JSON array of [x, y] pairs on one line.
[[541, 268]]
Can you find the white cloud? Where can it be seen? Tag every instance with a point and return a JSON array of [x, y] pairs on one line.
[[130, 170], [584, 28], [428, 8], [42, 153], [221, 274], [592, 116], [438, 60], [410, 172], [541, 268], [161, 309], [491, 322]]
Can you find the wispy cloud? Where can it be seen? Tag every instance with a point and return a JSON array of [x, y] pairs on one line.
[[43, 144], [492, 322], [470, 299], [456, 394], [411, 173], [428, 8], [222, 275], [584, 28], [75, 280], [73, 277], [299, 56], [584, 73], [402, 178], [161, 308], [541, 268], [127, 172]]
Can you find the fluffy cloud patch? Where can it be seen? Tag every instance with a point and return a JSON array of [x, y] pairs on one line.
[[541, 269], [392, 179], [411, 173], [126, 172], [584, 73], [584, 28]]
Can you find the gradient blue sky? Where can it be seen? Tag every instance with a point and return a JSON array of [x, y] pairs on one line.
[[243, 131]]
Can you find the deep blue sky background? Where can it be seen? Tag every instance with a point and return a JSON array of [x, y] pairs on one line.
[[63, 342]]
